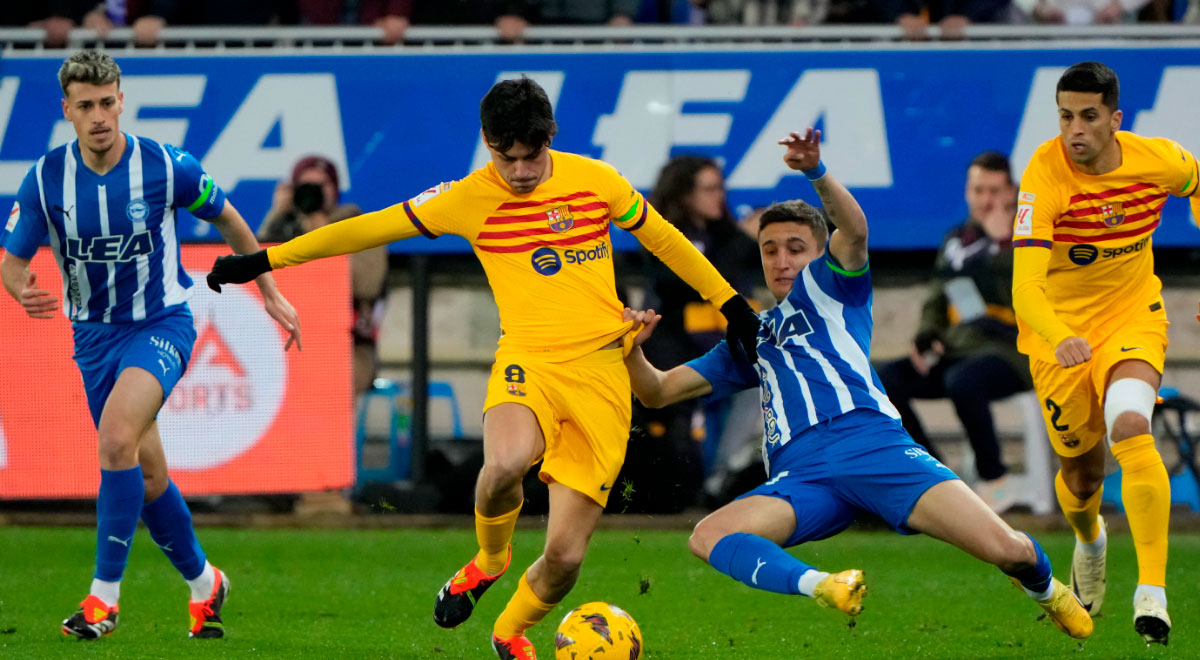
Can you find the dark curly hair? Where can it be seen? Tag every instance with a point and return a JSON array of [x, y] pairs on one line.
[[677, 180], [517, 111]]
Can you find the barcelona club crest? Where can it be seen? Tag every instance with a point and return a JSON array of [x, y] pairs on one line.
[[560, 219], [1112, 214]]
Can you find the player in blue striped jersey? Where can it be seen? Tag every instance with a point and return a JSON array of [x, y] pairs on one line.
[[107, 203], [833, 444]]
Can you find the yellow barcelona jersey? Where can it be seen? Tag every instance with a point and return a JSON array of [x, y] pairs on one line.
[[548, 254], [1083, 242]]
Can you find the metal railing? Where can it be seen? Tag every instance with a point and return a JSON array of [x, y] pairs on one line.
[[209, 38]]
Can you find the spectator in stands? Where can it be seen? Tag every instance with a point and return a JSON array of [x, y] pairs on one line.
[[57, 17], [587, 12], [690, 193], [392, 16], [1081, 12], [311, 199], [766, 12], [966, 346], [161, 13], [510, 17], [952, 16]]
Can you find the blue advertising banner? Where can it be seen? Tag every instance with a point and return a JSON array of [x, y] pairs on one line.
[[900, 126]]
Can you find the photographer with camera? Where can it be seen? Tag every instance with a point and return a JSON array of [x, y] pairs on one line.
[[311, 199]]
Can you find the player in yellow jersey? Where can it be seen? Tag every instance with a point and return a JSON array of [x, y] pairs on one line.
[[559, 392], [1091, 320]]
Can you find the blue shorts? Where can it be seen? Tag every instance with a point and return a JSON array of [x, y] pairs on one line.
[[161, 346], [860, 461]]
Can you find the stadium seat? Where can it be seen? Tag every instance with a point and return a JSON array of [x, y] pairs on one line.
[[399, 451]]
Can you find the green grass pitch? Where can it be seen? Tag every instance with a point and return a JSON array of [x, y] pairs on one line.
[[314, 594]]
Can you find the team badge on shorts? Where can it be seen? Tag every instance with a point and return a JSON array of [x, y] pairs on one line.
[[1112, 214], [515, 389], [559, 218]]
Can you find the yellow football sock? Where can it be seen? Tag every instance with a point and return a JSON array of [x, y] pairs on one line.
[[523, 611], [494, 535], [1082, 515], [1146, 493]]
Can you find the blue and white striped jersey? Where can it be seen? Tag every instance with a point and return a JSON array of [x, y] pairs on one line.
[[813, 353], [113, 234]]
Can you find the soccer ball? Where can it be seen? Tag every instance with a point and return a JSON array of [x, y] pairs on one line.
[[598, 631]]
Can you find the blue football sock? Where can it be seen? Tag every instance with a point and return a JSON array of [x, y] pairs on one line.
[[170, 525], [117, 509], [759, 563], [1036, 578]]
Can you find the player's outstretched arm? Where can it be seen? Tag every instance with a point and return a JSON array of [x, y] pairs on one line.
[[345, 237], [21, 284], [848, 243], [237, 234], [653, 387]]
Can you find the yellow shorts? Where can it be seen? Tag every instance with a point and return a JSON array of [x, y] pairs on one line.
[[1072, 399], [583, 409]]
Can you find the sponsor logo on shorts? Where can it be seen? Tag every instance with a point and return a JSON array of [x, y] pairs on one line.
[[1069, 441]]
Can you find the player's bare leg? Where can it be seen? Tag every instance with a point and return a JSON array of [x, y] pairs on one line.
[[1145, 489], [744, 540], [512, 439], [128, 412], [573, 518], [953, 513], [1079, 486]]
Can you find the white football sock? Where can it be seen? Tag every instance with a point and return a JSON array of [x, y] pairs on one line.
[[810, 580], [1042, 597], [1095, 548], [109, 592], [202, 585], [1155, 592]]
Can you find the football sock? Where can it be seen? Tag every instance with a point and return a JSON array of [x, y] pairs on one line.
[[1082, 515], [494, 535], [109, 592], [202, 585], [1095, 548], [524, 609], [1036, 579], [1146, 494], [117, 509], [810, 580], [1157, 593], [759, 563], [170, 524]]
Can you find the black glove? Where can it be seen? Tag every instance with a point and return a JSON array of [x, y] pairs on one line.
[[742, 331], [238, 269]]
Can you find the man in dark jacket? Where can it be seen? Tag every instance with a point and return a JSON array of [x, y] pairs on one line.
[[965, 348]]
